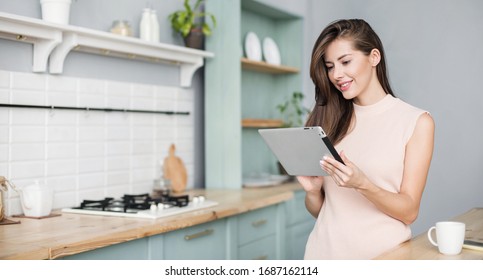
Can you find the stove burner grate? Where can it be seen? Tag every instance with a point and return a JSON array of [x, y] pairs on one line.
[[133, 203]]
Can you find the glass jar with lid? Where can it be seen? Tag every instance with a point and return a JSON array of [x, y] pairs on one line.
[[121, 27]]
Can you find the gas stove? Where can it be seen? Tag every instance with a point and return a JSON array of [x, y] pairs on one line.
[[142, 206]]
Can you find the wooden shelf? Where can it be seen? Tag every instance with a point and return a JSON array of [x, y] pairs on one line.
[[57, 40], [264, 67], [261, 123]]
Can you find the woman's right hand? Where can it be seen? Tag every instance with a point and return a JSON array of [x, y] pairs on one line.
[[311, 184], [314, 193]]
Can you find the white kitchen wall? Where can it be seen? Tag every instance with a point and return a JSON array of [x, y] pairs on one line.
[[89, 154]]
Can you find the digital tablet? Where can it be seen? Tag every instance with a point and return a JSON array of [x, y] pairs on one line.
[[300, 149]]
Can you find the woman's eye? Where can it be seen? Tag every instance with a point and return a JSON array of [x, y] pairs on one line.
[[346, 62], [329, 68]]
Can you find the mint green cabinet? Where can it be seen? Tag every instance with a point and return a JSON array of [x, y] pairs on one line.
[[261, 249], [256, 224], [258, 234], [201, 242], [299, 224], [235, 90]]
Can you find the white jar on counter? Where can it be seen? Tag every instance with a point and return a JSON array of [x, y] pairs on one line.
[[145, 32]]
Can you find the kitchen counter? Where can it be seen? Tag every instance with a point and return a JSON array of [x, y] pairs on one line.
[[69, 234], [419, 248]]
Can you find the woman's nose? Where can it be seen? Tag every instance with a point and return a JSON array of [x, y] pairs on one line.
[[338, 73]]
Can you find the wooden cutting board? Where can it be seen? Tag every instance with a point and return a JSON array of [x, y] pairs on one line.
[[175, 170]]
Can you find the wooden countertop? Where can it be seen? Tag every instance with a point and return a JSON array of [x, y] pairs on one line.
[[419, 247], [69, 234]]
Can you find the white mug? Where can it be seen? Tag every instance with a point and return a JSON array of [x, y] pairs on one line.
[[449, 237]]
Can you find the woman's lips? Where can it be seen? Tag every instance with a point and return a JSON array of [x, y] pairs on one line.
[[345, 85]]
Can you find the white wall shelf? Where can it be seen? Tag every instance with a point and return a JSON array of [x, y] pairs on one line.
[[57, 41]]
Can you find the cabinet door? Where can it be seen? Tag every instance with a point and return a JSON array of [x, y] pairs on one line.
[[262, 249], [256, 224], [205, 241]]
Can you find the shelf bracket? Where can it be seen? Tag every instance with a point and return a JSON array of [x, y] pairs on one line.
[[58, 56], [43, 38], [42, 50], [188, 70]]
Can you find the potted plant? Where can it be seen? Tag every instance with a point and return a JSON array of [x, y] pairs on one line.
[[292, 110], [190, 25]]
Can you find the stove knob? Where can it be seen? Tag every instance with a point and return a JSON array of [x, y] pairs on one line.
[[160, 206], [195, 200], [153, 207], [201, 198]]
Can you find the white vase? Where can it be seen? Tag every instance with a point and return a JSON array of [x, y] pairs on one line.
[[56, 11]]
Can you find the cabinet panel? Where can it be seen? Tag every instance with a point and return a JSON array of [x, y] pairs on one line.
[[205, 241], [257, 224], [262, 249]]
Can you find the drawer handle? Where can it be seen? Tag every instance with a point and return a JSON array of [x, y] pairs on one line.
[[199, 234], [259, 223], [262, 257]]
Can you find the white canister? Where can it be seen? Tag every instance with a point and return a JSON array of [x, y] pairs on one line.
[[154, 27], [56, 11], [36, 200], [145, 32]]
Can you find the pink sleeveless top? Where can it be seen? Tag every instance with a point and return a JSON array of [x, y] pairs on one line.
[[349, 226]]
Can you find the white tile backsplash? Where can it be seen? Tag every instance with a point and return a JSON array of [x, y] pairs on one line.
[[96, 87], [3, 154], [24, 152], [90, 165], [30, 97], [4, 95], [89, 155], [56, 167], [4, 79], [27, 134], [91, 149], [61, 134], [26, 170], [61, 84], [31, 81], [4, 132], [61, 150], [28, 117], [63, 99]]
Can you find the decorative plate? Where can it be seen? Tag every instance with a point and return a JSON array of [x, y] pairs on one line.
[[271, 53], [253, 49]]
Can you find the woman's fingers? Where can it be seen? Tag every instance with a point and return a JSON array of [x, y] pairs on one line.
[[340, 173]]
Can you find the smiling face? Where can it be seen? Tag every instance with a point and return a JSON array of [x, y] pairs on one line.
[[353, 73]]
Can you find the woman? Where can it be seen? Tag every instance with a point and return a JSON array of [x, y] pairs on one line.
[[364, 207]]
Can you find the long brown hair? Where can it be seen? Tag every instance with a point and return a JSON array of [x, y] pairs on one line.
[[332, 111]]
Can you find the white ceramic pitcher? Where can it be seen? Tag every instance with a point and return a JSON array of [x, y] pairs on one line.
[[36, 200]]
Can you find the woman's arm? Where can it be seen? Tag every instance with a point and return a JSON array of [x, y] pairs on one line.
[[404, 205], [314, 193]]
